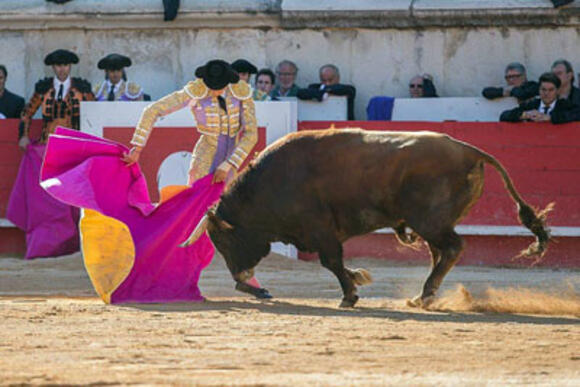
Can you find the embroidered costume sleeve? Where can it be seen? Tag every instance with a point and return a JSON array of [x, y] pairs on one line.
[[134, 92], [151, 113], [40, 89], [249, 127]]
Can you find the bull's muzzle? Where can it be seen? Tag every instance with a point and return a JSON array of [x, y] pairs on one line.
[[196, 233]]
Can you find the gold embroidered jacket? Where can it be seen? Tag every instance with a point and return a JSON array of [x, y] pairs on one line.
[[238, 122], [54, 113]]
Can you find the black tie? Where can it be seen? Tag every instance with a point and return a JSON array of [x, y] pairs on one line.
[[59, 97], [546, 109], [111, 96], [222, 103]]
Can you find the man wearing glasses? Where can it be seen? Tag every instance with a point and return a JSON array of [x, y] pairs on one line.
[[421, 86], [286, 73], [518, 85]]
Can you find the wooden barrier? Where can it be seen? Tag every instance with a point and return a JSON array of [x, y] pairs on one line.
[[164, 141]]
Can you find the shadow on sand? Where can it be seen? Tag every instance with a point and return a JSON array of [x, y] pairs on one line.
[[282, 307]]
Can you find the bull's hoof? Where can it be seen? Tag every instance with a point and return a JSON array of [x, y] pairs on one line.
[[421, 302], [349, 302], [259, 293]]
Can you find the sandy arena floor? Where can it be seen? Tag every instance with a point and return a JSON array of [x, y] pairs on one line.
[[489, 327]]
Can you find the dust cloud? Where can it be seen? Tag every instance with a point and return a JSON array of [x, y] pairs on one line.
[[511, 300]]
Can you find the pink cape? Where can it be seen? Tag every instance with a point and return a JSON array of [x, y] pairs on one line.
[[87, 172], [50, 226]]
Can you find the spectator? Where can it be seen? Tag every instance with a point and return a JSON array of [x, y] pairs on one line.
[[518, 85], [116, 87], [330, 85], [11, 105], [564, 71], [59, 98], [421, 86], [286, 72], [265, 80], [548, 107]]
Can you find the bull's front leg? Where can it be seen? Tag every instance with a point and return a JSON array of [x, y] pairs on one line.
[[330, 255]]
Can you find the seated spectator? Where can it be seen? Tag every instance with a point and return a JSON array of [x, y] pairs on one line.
[[265, 80], [286, 72], [548, 107], [421, 86], [115, 87], [329, 85], [11, 105], [518, 85], [564, 71]]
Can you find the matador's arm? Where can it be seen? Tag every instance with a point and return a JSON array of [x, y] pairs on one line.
[[151, 113]]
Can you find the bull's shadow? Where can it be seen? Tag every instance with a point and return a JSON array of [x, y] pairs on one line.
[[281, 307]]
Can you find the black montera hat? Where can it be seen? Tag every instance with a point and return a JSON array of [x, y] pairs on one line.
[[114, 62], [243, 66], [217, 74], [61, 57]]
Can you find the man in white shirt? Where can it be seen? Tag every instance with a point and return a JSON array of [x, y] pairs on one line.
[[546, 108], [58, 97]]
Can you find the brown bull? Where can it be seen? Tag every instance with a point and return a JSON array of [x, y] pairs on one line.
[[316, 189]]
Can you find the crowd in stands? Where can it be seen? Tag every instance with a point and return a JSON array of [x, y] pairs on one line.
[[553, 98]]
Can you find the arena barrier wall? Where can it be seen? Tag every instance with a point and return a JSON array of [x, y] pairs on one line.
[[542, 159], [544, 162]]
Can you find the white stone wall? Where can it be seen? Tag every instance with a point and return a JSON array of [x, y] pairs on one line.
[[378, 61]]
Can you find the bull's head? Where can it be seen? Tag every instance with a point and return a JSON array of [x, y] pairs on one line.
[[239, 246]]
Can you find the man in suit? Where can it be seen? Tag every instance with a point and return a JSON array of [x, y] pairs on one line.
[[517, 82], [330, 85], [11, 105], [59, 97], [115, 87], [547, 108]]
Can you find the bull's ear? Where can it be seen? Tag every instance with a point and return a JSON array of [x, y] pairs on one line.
[[217, 221]]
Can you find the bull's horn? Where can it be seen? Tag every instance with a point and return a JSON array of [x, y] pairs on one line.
[[195, 234]]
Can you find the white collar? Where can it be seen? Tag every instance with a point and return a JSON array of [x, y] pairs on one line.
[[66, 85], [108, 86], [550, 108]]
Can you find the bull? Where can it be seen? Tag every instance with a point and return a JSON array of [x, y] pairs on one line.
[[317, 189]]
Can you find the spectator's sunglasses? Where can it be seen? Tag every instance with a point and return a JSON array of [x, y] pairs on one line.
[[512, 76], [415, 86]]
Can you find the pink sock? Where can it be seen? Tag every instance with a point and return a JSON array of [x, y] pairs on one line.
[[253, 282]]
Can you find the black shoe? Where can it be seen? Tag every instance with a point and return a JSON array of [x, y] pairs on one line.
[[260, 293], [561, 3]]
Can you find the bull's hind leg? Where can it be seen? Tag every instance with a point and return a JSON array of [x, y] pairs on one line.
[[449, 246], [331, 258]]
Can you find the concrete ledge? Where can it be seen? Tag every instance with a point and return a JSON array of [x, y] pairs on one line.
[[17, 15]]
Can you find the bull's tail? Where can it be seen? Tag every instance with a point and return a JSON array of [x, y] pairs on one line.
[[533, 220]]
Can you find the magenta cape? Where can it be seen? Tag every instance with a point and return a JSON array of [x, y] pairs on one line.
[[50, 226], [130, 246]]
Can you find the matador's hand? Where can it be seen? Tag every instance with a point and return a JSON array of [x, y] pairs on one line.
[[23, 142], [133, 156], [222, 172]]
